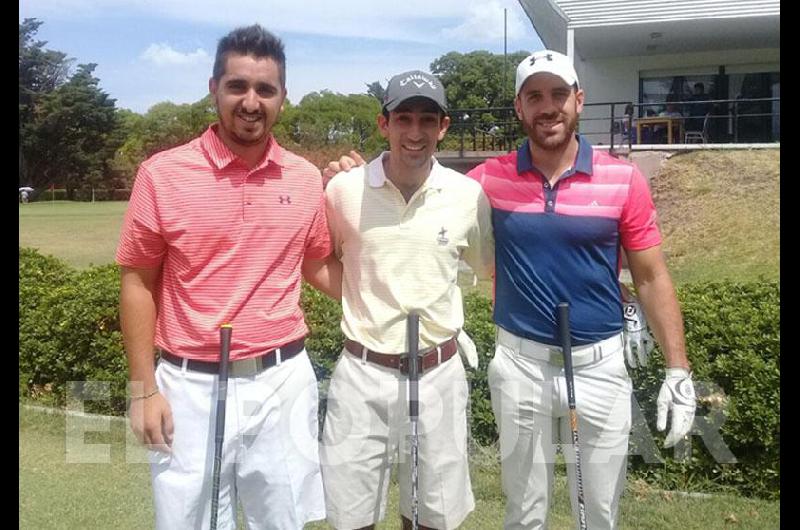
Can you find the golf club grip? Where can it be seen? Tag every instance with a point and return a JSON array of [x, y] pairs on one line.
[[224, 354], [413, 364], [566, 349], [219, 431]]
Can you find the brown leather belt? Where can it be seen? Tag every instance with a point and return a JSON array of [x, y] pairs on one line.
[[399, 361]]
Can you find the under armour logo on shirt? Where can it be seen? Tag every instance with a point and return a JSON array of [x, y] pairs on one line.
[[285, 199], [549, 57]]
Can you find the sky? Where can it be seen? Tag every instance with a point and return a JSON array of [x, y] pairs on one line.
[[149, 51]]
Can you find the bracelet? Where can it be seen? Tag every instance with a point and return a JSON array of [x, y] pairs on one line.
[[151, 394]]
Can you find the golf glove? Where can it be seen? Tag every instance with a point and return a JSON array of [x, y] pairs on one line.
[[676, 396], [637, 340]]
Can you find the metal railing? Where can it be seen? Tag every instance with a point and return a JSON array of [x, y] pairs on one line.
[[730, 121]]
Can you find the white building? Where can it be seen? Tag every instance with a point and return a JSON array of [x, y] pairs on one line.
[[646, 51]]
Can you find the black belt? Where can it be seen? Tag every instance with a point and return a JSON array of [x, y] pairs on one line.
[[256, 364]]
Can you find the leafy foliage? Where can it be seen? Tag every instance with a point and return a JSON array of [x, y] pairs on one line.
[[69, 331]]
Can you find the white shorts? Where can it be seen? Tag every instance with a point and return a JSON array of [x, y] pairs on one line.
[[529, 400], [270, 451], [367, 429]]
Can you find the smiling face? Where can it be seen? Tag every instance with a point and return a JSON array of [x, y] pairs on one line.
[[413, 129], [249, 97], [548, 109]]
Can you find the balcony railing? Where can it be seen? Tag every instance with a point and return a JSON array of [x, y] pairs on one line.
[[753, 120]]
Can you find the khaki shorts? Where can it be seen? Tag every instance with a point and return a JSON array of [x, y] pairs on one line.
[[367, 429]]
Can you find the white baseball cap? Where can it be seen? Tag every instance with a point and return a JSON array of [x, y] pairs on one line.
[[546, 61]]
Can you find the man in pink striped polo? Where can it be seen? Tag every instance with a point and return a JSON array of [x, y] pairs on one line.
[[562, 214], [220, 230]]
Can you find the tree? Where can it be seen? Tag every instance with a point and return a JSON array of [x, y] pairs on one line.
[[324, 120], [164, 126], [376, 90], [475, 79], [41, 71], [72, 134]]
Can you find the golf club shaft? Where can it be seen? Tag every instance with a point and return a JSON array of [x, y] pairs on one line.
[[219, 431], [566, 348], [413, 412]]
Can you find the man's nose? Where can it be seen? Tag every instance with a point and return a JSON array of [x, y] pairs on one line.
[[250, 102]]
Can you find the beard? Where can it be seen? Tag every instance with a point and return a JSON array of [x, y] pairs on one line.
[[553, 141]]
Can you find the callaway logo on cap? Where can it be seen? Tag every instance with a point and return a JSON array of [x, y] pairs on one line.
[[414, 84]]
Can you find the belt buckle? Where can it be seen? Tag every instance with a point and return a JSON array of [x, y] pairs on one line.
[[244, 367], [404, 364], [556, 356]]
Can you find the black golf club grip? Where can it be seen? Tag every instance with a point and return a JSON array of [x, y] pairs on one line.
[[413, 364], [566, 348]]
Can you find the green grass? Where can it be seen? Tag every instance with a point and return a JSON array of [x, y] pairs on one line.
[[55, 492], [719, 213], [80, 233]]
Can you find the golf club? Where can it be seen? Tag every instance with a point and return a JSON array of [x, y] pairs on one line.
[[413, 412], [566, 349], [219, 432]]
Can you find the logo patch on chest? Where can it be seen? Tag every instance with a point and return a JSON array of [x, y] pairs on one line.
[[442, 237]]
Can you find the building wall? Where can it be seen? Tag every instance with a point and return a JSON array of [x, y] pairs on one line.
[[617, 79]]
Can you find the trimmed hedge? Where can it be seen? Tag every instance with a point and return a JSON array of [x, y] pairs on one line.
[[69, 331]]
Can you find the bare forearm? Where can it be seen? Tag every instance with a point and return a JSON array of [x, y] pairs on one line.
[[657, 295], [664, 316], [325, 275], [138, 321]]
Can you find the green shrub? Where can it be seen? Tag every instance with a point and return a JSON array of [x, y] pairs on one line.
[[69, 331], [733, 344]]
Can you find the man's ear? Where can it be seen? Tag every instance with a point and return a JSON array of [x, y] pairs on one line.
[[443, 125], [383, 125]]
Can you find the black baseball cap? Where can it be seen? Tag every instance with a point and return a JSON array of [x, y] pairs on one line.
[[414, 84]]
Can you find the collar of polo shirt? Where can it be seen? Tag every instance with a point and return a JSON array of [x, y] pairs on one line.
[[377, 178]]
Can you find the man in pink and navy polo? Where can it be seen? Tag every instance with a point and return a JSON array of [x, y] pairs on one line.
[[220, 230], [562, 213]]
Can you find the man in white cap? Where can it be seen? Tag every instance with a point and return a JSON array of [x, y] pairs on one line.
[[561, 212], [400, 226]]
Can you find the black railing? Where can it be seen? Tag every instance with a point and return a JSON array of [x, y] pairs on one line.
[[729, 121], [487, 129]]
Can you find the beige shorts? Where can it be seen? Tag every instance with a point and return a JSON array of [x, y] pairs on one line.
[[367, 429]]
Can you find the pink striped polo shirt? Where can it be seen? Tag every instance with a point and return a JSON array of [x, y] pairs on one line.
[[230, 241], [562, 243]]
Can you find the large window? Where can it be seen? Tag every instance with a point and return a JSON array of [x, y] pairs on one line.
[[658, 91], [745, 121]]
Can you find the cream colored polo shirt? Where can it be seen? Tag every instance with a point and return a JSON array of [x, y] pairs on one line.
[[400, 257]]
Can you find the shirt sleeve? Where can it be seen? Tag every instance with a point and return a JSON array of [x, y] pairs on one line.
[[479, 253], [639, 221], [318, 243], [141, 242]]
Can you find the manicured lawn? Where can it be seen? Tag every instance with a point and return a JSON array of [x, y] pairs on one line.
[[80, 233], [57, 490]]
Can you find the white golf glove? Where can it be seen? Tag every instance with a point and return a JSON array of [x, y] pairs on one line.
[[637, 340], [676, 396]]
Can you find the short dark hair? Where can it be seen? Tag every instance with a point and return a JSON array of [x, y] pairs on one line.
[[251, 40]]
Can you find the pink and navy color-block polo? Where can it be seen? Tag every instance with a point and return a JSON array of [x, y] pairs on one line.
[[229, 240], [562, 243]]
